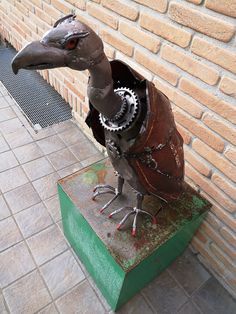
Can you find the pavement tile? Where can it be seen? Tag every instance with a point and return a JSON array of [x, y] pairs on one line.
[[194, 273], [61, 274], [12, 178], [137, 305], [91, 160], [3, 309], [50, 309], [70, 170], [10, 100], [37, 168], [53, 207], [22, 197], [51, 144], [189, 308], [213, 298], [62, 159], [9, 233], [33, 219], [27, 295], [27, 152], [47, 244], [83, 150], [6, 114], [3, 102], [10, 126], [4, 211], [82, 299], [164, 294], [46, 132], [73, 136], [18, 138], [46, 186], [14, 263], [7, 161], [65, 125], [3, 145]]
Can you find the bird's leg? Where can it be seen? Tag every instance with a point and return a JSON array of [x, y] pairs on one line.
[[103, 189], [133, 211]]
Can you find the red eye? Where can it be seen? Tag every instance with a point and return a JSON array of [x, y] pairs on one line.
[[71, 44]]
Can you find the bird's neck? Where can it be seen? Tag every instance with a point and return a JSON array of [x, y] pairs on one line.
[[100, 89]]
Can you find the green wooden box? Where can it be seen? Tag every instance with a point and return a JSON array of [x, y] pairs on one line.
[[120, 264]]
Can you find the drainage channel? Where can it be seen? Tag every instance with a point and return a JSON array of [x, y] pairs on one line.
[[40, 103]]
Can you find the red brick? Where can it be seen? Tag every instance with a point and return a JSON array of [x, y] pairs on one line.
[[184, 133], [37, 3], [229, 236], [116, 42], [190, 65], [51, 11], [201, 236], [197, 128], [227, 7], [225, 186], [62, 6], [155, 66], [215, 158], [197, 162], [226, 130], [215, 54], [195, 1], [201, 22], [209, 258], [180, 99], [215, 236], [125, 9], [213, 221], [230, 153], [160, 5], [140, 37], [225, 217], [88, 21], [165, 30], [80, 4], [73, 88], [22, 8], [210, 189], [109, 51], [217, 251], [223, 108], [43, 16], [228, 86], [103, 15]]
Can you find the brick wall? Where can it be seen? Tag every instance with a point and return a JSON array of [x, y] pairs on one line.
[[187, 48]]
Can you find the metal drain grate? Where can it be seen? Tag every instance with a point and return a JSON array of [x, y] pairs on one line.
[[41, 104]]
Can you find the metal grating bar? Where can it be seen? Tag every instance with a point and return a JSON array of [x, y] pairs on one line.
[[41, 104]]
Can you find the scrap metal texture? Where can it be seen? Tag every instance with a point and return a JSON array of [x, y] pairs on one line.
[[38, 100]]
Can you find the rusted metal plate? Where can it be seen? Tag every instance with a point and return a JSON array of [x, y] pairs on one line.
[[126, 250]]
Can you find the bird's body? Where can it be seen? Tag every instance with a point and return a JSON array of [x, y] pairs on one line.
[[127, 114], [155, 129]]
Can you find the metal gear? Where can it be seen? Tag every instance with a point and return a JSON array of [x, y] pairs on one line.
[[127, 114]]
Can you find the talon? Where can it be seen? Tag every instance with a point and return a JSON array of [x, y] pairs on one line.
[[118, 227], [110, 216], [133, 232], [154, 221], [101, 210]]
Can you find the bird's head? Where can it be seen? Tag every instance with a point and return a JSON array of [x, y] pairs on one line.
[[69, 43]]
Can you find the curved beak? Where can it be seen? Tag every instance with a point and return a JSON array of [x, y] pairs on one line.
[[37, 56]]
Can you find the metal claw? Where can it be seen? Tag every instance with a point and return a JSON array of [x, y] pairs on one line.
[[103, 186], [102, 192], [108, 203], [124, 220], [118, 211]]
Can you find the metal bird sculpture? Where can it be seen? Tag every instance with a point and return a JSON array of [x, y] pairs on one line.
[[127, 114]]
